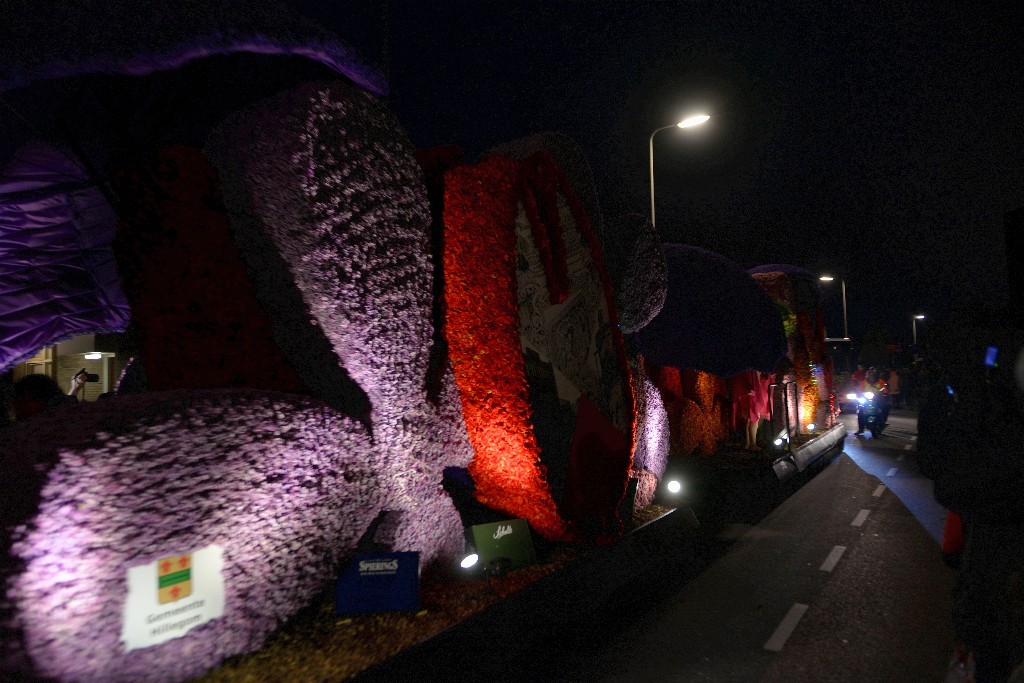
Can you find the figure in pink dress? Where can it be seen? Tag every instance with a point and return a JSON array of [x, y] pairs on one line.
[[749, 405]]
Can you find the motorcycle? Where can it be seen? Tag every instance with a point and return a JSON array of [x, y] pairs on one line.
[[869, 410]]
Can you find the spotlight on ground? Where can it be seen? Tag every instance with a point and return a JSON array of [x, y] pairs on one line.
[[469, 561], [675, 486], [810, 427]]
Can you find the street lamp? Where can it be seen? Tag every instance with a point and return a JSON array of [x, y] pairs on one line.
[[914, 322], [688, 122], [842, 282]]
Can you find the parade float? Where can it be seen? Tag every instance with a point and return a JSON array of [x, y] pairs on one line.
[[324, 327]]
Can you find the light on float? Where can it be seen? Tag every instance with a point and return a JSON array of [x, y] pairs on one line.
[[810, 427], [469, 561], [779, 441], [675, 486]]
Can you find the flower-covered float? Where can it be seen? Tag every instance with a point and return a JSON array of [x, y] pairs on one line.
[[717, 324], [533, 338], [273, 247], [797, 294], [316, 342]]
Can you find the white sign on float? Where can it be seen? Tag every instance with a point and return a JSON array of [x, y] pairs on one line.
[[170, 597]]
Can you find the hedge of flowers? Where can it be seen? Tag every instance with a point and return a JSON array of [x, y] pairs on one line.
[[507, 226], [694, 404], [57, 274], [101, 487], [569, 157]]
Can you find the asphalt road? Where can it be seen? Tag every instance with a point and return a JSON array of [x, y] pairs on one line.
[[842, 582], [892, 459]]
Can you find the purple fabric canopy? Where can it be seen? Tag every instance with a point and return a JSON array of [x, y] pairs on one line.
[[64, 132], [716, 318], [57, 272]]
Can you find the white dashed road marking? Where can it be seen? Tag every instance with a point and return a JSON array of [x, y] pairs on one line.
[[786, 628], [833, 558], [892, 472], [859, 519], [878, 491]]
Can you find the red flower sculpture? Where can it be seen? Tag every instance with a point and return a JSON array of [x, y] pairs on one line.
[[483, 337], [481, 204]]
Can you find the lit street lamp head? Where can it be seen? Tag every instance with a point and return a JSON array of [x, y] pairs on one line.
[[842, 281], [691, 121]]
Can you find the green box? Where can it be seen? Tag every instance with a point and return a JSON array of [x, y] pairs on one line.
[[506, 539]]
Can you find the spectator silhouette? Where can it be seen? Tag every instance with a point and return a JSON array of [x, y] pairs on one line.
[[35, 393]]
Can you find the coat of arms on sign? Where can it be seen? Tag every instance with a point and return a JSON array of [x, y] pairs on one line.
[[174, 578]]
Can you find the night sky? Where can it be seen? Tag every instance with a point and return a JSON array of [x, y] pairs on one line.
[[880, 142]]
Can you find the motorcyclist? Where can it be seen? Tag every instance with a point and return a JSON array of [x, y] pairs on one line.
[[873, 383]]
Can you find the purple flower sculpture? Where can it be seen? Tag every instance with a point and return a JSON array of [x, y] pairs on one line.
[[329, 212], [652, 429], [282, 484]]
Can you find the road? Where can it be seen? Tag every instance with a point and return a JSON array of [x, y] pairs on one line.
[[895, 451], [842, 582]]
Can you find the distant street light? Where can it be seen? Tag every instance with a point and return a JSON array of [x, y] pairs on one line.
[[688, 122], [842, 281], [914, 321]]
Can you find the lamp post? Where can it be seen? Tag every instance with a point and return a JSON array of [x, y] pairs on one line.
[[688, 122], [914, 323], [842, 282]]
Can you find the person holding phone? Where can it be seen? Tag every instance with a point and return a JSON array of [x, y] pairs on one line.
[[77, 390]]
